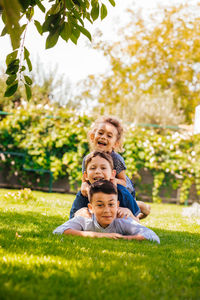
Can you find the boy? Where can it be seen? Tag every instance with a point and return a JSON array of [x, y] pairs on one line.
[[99, 165], [104, 222]]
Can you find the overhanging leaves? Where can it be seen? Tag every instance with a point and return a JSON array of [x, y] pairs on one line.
[[95, 11], [103, 11], [12, 10], [85, 32], [52, 39], [28, 91], [11, 90]]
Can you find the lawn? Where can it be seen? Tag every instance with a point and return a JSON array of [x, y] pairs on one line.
[[35, 264]]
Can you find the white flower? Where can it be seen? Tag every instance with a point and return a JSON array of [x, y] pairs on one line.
[[152, 159]]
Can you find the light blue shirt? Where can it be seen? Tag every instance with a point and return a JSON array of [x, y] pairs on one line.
[[119, 225]]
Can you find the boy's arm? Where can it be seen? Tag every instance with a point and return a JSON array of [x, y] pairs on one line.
[[79, 202], [133, 229], [93, 234], [84, 186], [121, 178], [134, 237]]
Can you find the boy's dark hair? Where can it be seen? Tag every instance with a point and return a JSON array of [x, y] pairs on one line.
[[104, 155], [102, 186]]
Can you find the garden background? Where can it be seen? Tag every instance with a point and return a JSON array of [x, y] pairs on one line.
[[152, 85]]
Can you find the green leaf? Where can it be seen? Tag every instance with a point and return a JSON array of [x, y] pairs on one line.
[[11, 79], [26, 57], [26, 53], [12, 12], [85, 32], [10, 57], [40, 5], [54, 9], [24, 3], [13, 67], [95, 11], [66, 31], [11, 90], [28, 92], [78, 17], [76, 32], [29, 13], [51, 23], [88, 17], [38, 26], [29, 64], [4, 31], [3, 16], [74, 39], [22, 28], [28, 80], [103, 11], [112, 2], [52, 39], [69, 4], [22, 69]]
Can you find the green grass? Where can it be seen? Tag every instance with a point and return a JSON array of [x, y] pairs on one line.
[[39, 265]]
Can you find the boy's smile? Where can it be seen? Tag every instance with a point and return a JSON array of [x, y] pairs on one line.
[[99, 168], [105, 137], [104, 207]]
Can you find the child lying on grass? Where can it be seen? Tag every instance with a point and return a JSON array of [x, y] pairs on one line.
[[104, 222], [99, 165]]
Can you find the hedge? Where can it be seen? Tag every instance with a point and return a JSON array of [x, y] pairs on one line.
[[58, 142]]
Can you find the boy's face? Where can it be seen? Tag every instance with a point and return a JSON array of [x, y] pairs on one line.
[[104, 207], [99, 168]]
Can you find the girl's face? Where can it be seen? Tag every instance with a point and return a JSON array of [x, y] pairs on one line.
[[105, 137]]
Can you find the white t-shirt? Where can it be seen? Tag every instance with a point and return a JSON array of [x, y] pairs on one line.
[[119, 225]]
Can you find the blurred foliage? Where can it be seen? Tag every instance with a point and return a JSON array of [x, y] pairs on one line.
[[49, 89], [58, 142], [22, 196], [63, 19], [154, 58]]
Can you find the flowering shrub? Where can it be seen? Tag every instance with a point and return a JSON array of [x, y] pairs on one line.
[[171, 156], [59, 144], [21, 196]]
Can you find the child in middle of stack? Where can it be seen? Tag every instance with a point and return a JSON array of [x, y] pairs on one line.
[[99, 165]]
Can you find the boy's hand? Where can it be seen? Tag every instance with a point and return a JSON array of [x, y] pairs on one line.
[[111, 235], [114, 181], [123, 212], [83, 212], [85, 189]]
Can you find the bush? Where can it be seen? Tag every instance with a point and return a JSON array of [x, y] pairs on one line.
[[58, 143]]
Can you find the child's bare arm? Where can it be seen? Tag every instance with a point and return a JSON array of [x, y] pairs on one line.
[[83, 212], [93, 234], [84, 188], [134, 237], [121, 178]]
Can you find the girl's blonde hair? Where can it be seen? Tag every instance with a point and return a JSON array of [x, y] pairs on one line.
[[113, 121]]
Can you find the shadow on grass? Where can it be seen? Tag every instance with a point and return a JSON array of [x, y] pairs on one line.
[[39, 265]]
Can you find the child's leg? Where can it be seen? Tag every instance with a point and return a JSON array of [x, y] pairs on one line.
[[145, 209]]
